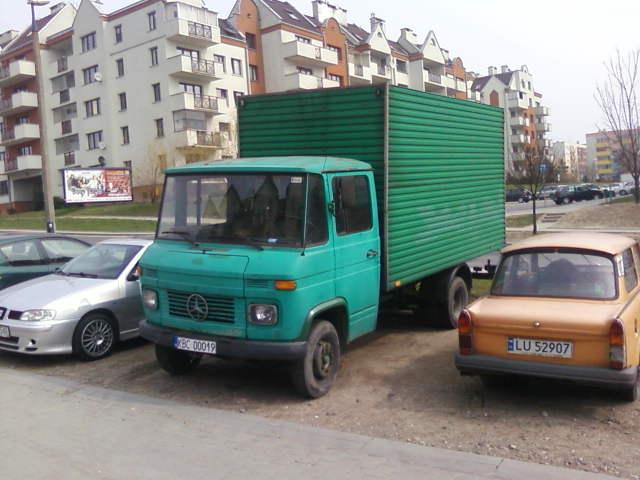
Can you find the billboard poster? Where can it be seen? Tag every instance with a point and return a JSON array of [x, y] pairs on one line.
[[96, 185]]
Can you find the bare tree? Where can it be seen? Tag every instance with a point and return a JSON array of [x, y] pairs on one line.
[[618, 99]]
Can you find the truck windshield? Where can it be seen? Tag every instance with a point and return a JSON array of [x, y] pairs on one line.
[[250, 209]]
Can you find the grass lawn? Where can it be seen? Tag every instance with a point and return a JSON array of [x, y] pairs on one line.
[[480, 288], [519, 221], [124, 210]]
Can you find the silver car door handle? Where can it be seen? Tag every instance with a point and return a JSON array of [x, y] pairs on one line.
[[372, 254]]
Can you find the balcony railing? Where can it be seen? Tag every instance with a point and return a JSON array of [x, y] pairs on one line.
[[207, 139], [70, 158], [203, 66], [63, 64], [200, 30], [434, 77], [206, 102], [384, 70]]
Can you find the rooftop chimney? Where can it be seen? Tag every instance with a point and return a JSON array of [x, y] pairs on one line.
[[409, 35], [375, 21], [504, 68], [493, 70]]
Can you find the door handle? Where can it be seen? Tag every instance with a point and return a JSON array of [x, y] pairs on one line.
[[372, 254]]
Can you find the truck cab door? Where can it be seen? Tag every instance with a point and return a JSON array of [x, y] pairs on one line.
[[357, 248]]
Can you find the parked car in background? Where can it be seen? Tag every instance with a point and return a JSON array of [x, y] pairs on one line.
[[577, 193], [615, 188], [26, 257], [85, 308], [627, 188], [519, 195], [562, 306], [548, 191]]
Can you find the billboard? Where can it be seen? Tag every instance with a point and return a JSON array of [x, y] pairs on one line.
[[96, 185]]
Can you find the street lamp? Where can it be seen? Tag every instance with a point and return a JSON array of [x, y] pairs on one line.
[[47, 191]]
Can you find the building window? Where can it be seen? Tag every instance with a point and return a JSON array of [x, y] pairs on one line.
[[253, 73], [89, 74], [236, 66], [154, 56], [65, 96], [338, 50], [192, 88], [159, 127], [94, 140], [127, 164], [120, 67], [220, 60], [223, 94], [122, 98], [125, 135], [88, 42], [69, 158], [335, 78], [24, 151], [401, 66], [303, 39], [237, 96], [92, 107], [118, 33], [4, 187], [156, 92], [305, 71], [251, 40], [151, 16]]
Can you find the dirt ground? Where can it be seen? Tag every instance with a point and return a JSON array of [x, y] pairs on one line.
[[399, 383], [615, 215]]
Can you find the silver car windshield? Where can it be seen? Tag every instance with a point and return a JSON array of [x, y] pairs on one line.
[[251, 209], [559, 274], [106, 261]]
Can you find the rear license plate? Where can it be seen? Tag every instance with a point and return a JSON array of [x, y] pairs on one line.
[[193, 345], [541, 348], [4, 332]]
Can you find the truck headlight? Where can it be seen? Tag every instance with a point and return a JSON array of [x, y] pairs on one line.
[[150, 299], [38, 315], [263, 314]]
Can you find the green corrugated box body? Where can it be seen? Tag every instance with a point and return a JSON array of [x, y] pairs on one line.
[[438, 163]]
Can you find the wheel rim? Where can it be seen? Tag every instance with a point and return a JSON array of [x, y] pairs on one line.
[[323, 360], [97, 337], [459, 302]]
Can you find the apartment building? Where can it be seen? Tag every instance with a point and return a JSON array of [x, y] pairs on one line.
[[289, 50], [526, 118], [603, 155], [20, 143], [570, 159]]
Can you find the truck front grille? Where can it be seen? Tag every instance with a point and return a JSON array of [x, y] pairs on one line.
[[218, 309]]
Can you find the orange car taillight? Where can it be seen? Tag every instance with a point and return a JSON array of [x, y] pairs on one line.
[[465, 333], [617, 351]]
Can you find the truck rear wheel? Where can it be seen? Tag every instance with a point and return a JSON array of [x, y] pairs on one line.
[[176, 362], [457, 299], [314, 374]]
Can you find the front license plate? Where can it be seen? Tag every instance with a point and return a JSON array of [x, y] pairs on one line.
[[4, 332], [541, 348], [192, 345]]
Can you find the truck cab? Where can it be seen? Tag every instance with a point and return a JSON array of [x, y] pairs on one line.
[[264, 258]]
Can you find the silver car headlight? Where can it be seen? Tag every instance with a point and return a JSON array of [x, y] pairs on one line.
[[150, 299], [38, 315], [263, 314]]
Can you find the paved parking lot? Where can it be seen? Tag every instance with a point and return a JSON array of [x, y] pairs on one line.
[[399, 383]]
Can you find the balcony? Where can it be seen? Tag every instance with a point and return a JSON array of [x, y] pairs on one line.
[[519, 122], [188, 101], [22, 133], [200, 139], [542, 111], [22, 163], [544, 143], [18, 102], [193, 34], [16, 72], [380, 72], [185, 67], [309, 55], [543, 126], [518, 139], [514, 101], [360, 74], [302, 81], [430, 77], [518, 157]]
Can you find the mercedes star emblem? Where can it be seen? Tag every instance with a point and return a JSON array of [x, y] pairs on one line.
[[197, 307]]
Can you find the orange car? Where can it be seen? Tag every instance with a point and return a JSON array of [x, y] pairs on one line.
[[563, 306]]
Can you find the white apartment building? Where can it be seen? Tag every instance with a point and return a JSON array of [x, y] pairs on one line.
[[152, 85], [570, 158], [526, 122]]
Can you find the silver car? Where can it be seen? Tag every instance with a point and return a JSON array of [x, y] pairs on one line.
[[85, 308]]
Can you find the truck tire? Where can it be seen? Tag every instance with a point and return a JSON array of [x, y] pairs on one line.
[[457, 299], [314, 374], [176, 362]]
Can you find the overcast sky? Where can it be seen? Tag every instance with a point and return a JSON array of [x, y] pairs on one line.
[[563, 42]]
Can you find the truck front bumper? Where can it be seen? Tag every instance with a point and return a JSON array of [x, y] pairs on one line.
[[601, 377], [228, 347]]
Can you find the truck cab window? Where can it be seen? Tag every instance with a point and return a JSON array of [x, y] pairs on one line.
[[352, 204]]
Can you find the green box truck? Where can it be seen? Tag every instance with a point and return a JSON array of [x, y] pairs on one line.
[[343, 198]]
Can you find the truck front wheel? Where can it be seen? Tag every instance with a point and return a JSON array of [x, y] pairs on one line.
[[176, 362], [314, 374]]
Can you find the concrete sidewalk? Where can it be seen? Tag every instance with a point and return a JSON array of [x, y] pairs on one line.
[[52, 428]]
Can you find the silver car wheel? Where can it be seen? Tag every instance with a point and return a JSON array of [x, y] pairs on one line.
[[97, 337]]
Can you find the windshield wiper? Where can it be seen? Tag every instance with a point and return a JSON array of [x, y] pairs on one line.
[[182, 233], [82, 274]]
